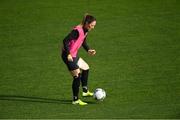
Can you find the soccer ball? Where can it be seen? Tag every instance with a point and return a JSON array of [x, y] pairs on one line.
[[99, 94]]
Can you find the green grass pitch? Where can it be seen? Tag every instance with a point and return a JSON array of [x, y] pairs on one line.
[[137, 60]]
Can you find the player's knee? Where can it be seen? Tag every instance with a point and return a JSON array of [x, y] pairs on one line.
[[76, 73]]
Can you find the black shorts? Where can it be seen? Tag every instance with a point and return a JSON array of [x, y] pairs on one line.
[[72, 65]]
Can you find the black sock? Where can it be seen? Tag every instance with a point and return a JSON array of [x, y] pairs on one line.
[[84, 80], [75, 86]]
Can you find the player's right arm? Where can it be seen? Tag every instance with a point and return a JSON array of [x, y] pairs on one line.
[[69, 57]]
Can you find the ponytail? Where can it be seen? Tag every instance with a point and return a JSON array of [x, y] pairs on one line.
[[87, 19]]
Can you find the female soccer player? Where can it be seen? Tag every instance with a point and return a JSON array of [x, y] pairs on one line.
[[71, 44]]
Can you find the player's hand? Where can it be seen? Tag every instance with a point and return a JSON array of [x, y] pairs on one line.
[[69, 57], [92, 52]]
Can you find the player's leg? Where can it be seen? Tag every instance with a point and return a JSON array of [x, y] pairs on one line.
[[75, 72], [76, 83], [84, 77], [75, 87]]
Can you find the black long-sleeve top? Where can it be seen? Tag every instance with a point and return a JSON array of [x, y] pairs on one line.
[[73, 35]]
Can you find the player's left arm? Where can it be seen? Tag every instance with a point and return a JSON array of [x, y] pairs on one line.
[[88, 49]]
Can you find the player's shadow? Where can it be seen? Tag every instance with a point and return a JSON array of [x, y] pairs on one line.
[[33, 99]]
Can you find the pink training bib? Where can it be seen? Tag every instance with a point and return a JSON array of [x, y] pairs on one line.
[[74, 45]]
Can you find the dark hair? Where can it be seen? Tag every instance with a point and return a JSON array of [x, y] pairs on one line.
[[88, 19]]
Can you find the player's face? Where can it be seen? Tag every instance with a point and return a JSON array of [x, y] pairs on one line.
[[91, 25]]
